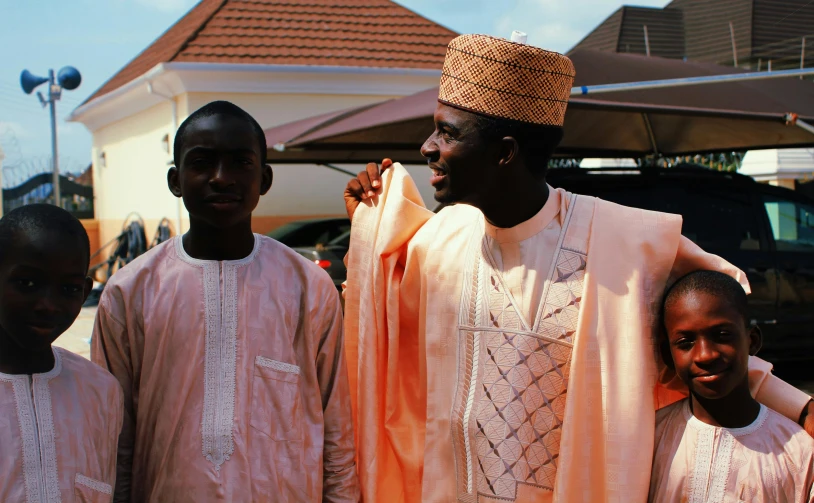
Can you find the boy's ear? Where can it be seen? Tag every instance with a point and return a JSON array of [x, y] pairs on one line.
[[268, 178], [664, 349], [172, 181], [755, 340], [88, 288]]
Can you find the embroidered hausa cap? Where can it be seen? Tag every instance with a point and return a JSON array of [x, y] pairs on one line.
[[507, 79]]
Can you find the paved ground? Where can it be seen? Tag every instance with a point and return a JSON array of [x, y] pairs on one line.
[[77, 337]]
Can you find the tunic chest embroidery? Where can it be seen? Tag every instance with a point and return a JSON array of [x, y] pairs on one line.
[[32, 397], [220, 300], [511, 395]]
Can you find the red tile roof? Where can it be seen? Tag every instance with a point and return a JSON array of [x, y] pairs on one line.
[[372, 33]]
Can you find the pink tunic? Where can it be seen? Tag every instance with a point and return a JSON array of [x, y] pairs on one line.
[[769, 461], [234, 378], [58, 433]]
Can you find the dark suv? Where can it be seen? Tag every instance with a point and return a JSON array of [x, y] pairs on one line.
[[766, 231]]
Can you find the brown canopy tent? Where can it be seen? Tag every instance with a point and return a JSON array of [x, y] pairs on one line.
[[715, 117]]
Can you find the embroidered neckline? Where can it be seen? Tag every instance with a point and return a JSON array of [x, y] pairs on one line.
[[735, 432], [533, 324], [532, 226], [57, 368], [183, 255]]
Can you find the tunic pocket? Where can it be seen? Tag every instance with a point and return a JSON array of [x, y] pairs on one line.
[[88, 490], [276, 399]]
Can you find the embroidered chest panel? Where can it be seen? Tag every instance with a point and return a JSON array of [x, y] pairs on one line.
[[513, 377]]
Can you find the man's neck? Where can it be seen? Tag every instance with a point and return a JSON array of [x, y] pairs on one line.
[[205, 242], [736, 410], [512, 205], [16, 360]]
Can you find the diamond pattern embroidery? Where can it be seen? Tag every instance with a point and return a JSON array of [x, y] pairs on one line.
[[518, 417]]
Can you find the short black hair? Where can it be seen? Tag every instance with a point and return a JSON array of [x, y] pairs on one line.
[[218, 108], [41, 217], [537, 142], [712, 282]]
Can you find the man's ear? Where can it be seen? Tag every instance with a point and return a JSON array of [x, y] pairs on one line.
[[268, 179], [509, 151], [755, 340], [172, 181]]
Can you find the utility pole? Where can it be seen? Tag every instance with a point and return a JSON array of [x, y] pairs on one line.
[[54, 93], [68, 78], [646, 41]]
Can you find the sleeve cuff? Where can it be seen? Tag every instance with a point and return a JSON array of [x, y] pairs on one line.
[[782, 397]]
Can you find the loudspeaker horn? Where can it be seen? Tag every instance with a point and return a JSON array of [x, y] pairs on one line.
[[69, 78], [29, 81]]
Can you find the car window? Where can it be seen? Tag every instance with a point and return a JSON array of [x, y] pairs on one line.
[[792, 224], [716, 219], [309, 233], [337, 232], [343, 240], [284, 230]]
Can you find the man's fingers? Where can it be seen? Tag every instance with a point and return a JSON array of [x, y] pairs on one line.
[[354, 189], [367, 187], [372, 171]]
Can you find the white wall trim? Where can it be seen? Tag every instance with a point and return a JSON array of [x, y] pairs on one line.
[[176, 78]]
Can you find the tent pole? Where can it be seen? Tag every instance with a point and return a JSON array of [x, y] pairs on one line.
[[689, 81], [650, 135], [734, 47], [336, 168]]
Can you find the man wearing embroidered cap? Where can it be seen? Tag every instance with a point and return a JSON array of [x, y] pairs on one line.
[[502, 350]]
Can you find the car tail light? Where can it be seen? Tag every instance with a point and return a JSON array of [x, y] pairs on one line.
[[323, 263]]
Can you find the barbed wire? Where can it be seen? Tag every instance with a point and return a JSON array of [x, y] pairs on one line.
[[17, 173]]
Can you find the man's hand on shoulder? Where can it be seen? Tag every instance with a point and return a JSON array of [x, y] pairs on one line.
[[807, 418], [366, 185]]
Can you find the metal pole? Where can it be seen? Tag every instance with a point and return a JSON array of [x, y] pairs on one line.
[[734, 47], [2, 156], [689, 81], [803, 56], [646, 41], [54, 150], [805, 125], [759, 62]]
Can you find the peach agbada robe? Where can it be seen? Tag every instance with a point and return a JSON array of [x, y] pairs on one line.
[[58, 433], [768, 461], [441, 354], [235, 386]]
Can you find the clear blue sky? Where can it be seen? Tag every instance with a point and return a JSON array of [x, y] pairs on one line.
[[100, 36]]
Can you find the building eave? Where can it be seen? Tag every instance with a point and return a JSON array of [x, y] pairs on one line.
[[177, 78]]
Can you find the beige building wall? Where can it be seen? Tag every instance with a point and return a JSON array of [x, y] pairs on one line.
[[130, 172]]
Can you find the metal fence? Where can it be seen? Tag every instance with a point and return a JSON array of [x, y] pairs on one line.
[[76, 198]]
